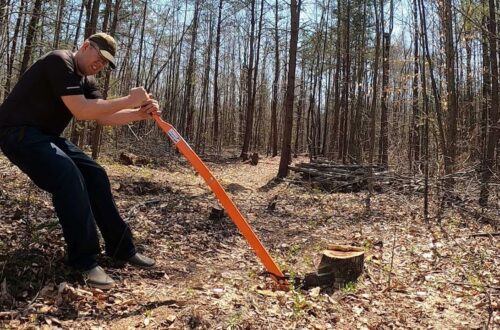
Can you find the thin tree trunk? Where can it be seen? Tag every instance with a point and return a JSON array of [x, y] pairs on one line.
[[373, 110], [97, 136], [345, 106], [486, 88], [290, 90], [30, 36], [450, 151], [10, 65], [435, 91], [274, 101], [384, 122], [493, 132], [355, 147], [58, 23], [80, 17], [414, 136], [336, 85], [92, 16], [187, 108], [141, 43], [201, 132], [215, 136], [249, 76], [255, 73], [300, 110]]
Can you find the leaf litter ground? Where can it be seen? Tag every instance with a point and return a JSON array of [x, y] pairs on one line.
[[416, 275]]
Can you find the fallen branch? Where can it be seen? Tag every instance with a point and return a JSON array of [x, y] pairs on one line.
[[484, 234]]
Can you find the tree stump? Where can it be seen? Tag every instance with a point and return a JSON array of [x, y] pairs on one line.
[[339, 265], [217, 213], [254, 159], [127, 158]]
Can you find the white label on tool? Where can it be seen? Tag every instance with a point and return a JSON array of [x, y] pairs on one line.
[[174, 136]]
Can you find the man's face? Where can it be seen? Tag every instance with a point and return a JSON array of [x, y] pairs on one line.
[[91, 60]]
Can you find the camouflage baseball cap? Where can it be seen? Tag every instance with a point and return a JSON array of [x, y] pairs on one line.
[[106, 45]]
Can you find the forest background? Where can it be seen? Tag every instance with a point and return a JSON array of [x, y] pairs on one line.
[[407, 84]]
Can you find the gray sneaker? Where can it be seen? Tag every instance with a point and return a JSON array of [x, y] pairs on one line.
[[97, 278]]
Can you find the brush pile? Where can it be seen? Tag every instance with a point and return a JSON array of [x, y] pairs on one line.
[[336, 177]]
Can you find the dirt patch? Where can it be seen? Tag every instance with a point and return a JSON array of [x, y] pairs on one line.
[[416, 275]]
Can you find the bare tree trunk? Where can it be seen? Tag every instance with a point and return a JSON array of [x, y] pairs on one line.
[[92, 16], [97, 135], [414, 136], [250, 101], [450, 151], [425, 138], [300, 110], [187, 108], [344, 103], [106, 18], [324, 32], [256, 71], [10, 64], [58, 23], [486, 87], [274, 101], [373, 110], [80, 17], [215, 137], [3, 15], [290, 90], [75, 130], [357, 125], [328, 97], [141, 43], [336, 86], [81, 128], [470, 116], [311, 124], [493, 132], [435, 91], [201, 132], [30, 36], [384, 123]]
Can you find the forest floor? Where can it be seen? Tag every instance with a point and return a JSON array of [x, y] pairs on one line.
[[416, 275]]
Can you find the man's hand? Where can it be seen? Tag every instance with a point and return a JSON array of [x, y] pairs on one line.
[[149, 108], [137, 97]]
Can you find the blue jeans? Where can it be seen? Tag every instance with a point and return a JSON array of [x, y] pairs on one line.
[[81, 193]]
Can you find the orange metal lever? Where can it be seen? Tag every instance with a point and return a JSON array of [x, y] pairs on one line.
[[224, 199]]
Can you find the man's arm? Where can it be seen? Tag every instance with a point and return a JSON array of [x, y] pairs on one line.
[[95, 109], [126, 116]]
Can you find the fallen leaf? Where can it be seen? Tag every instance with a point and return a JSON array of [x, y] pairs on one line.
[[357, 310], [268, 293], [315, 292]]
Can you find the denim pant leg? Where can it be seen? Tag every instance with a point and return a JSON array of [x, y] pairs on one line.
[[50, 168], [116, 233]]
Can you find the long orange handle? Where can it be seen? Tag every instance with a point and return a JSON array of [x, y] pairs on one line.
[[224, 199]]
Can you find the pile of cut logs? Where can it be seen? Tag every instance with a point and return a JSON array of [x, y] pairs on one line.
[[336, 177]]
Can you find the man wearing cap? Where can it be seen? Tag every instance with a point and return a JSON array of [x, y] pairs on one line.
[[57, 87]]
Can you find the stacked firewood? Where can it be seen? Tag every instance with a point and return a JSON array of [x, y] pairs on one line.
[[343, 177]]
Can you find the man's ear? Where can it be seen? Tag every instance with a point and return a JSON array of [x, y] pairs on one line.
[[86, 44]]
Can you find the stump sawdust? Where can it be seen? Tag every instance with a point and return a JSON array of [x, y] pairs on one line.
[[415, 276]]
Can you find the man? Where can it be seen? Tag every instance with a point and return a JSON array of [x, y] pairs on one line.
[[56, 88]]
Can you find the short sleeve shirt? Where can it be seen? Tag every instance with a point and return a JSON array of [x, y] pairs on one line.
[[36, 99]]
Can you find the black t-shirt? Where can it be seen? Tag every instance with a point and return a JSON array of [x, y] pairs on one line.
[[36, 99]]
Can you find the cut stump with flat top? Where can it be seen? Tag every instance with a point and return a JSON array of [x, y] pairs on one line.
[[339, 265]]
